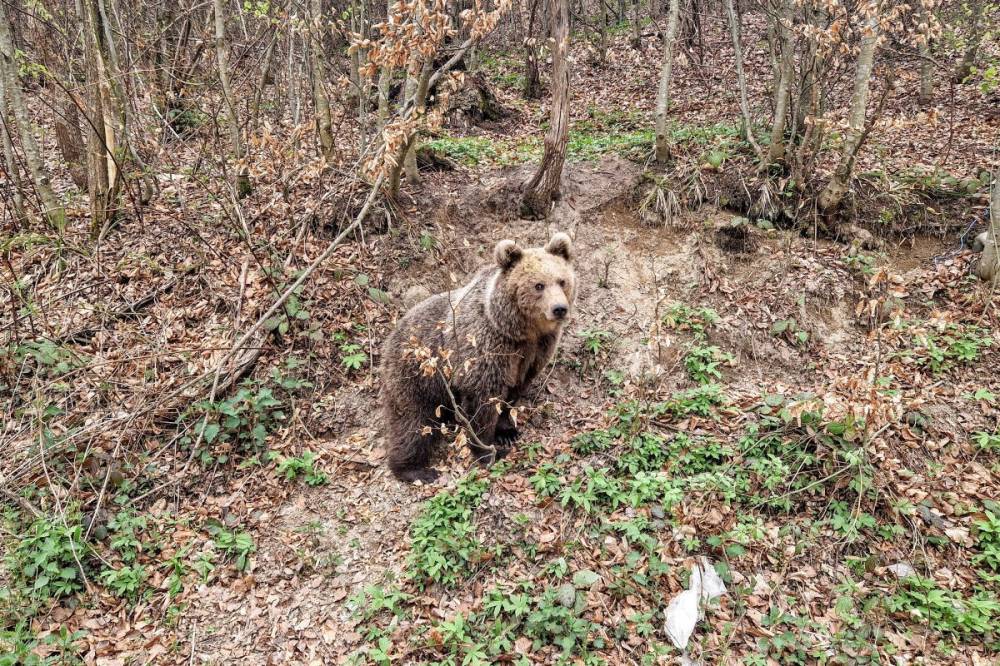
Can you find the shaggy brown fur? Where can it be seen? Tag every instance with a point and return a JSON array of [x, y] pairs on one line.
[[490, 339]]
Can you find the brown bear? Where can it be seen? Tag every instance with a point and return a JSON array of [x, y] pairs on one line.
[[476, 348]]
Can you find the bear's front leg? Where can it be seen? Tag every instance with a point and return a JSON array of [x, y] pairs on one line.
[[506, 431], [483, 416]]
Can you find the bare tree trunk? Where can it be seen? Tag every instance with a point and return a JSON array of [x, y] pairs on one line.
[[70, 142], [266, 79], [411, 89], [636, 28], [359, 56], [382, 115], [324, 121], [786, 70], [416, 99], [243, 187], [10, 160], [384, 84], [834, 192], [663, 93], [975, 38], [532, 78], [602, 34], [741, 79], [52, 209], [544, 186], [989, 264], [926, 65]]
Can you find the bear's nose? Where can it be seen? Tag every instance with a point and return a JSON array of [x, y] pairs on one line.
[[560, 311]]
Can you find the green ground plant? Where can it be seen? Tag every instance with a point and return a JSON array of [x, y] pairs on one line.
[[44, 559], [952, 346], [444, 546], [293, 467]]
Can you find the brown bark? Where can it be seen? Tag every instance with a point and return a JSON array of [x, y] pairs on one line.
[[532, 77], [414, 100], [266, 79], [926, 64], [544, 186], [70, 141]]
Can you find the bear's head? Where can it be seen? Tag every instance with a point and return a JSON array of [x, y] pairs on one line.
[[537, 283]]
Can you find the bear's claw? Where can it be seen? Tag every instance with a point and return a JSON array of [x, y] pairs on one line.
[[487, 458], [507, 437], [423, 474]]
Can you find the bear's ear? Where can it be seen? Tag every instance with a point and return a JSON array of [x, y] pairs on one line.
[[506, 254], [561, 246]]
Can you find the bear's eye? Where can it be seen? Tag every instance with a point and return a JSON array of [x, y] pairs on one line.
[[539, 286], [562, 283]]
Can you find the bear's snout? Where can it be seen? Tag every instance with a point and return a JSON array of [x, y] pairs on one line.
[[559, 311]]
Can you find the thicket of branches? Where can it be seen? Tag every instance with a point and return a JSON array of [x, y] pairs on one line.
[[354, 80]]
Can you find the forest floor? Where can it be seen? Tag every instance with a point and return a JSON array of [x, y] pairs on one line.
[[815, 422]]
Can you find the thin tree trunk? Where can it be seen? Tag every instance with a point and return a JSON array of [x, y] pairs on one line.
[[989, 263], [786, 69], [293, 91], [603, 34], [384, 84], [384, 81], [266, 78], [10, 160], [544, 186], [975, 38], [52, 209], [416, 100], [663, 93], [834, 192], [104, 149], [70, 142], [926, 64], [741, 79], [532, 78], [636, 28], [243, 187], [324, 121], [410, 156]]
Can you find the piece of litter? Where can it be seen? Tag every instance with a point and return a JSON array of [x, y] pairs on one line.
[[681, 616], [901, 570], [711, 584]]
